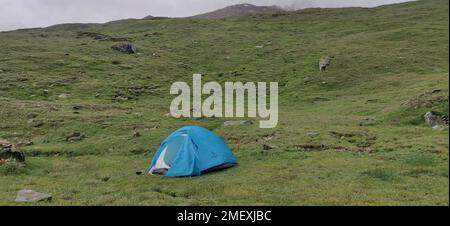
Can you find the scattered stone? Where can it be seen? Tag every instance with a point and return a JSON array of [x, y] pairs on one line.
[[76, 136], [26, 143], [436, 90], [136, 134], [268, 137], [38, 124], [435, 119], [237, 123], [63, 96], [368, 121], [27, 195], [9, 151], [267, 147], [312, 134], [127, 48], [324, 63], [126, 66], [445, 119], [427, 100]]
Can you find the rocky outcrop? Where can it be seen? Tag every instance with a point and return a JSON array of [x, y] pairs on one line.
[[9, 151], [127, 48]]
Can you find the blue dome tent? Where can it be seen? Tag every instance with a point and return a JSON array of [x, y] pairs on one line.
[[191, 151]]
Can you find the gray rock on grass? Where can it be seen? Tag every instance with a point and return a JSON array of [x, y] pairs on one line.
[[76, 136], [435, 120], [324, 63], [27, 195], [128, 48]]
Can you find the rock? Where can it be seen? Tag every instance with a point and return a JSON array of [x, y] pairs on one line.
[[127, 48], [312, 134], [27, 195], [136, 134], [434, 119], [237, 123], [436, 90], [445, 119], [267, 147], [9, 151], [76, 136], [324, 63], [63, 96], [26, 143]]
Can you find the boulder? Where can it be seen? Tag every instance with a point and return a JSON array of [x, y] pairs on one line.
[[324, 63], [434, 119], [9, 151], [27, 195], [127, 48]]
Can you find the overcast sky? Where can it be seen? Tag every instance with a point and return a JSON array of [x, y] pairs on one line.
[[16, 14]]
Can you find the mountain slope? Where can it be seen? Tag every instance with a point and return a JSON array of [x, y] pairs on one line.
[[352, 135], [238, 10]]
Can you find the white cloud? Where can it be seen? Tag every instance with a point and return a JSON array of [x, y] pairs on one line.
[[16, 14]]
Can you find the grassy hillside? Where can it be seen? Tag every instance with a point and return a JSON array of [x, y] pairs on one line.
[[372, 146]]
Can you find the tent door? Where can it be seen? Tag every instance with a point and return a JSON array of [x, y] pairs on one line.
[[168, 155]]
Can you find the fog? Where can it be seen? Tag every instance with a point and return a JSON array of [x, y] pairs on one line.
[[15, 14]]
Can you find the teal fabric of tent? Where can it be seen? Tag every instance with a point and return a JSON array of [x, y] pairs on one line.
[[191, 151]]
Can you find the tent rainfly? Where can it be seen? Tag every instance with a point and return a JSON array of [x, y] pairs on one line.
[[191, 151]]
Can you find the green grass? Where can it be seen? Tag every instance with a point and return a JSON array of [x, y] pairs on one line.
[[373, 147]]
